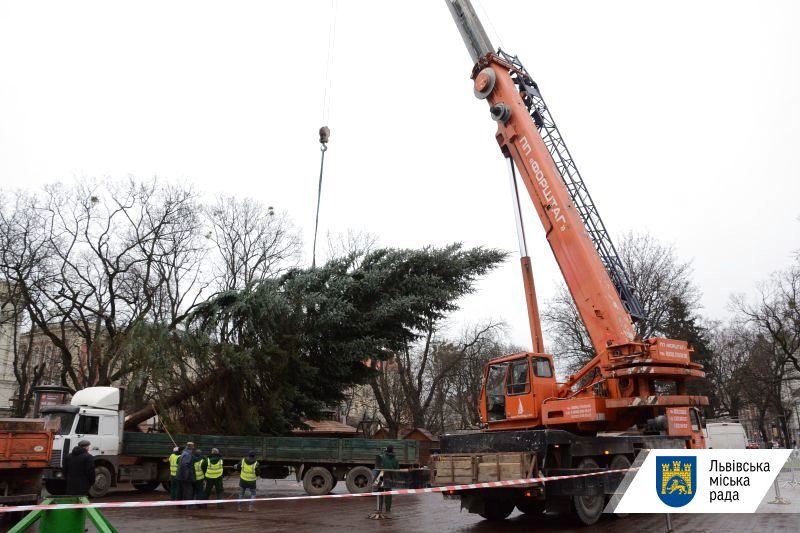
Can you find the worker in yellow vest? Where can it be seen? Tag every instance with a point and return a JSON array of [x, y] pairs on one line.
[[249, 471], [173, 472], [214, 476], [199, 475]]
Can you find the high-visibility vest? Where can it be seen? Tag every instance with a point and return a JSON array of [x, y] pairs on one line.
[[173, 464], [248, 471], [214, 470], [198, 471]]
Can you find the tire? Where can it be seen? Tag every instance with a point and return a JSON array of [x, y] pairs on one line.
[[530, 506], [318, 481], [588, 509], [56, 487], [619, 462], [102, 482], [497, 509], [359, 480], [146, 486]]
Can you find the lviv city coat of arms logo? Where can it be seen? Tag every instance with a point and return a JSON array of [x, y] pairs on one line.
[[676, 479]]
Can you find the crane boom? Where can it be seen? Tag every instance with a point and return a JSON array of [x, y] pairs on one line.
[[603, 313]]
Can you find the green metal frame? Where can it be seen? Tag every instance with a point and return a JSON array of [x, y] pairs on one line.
[[64, 520]]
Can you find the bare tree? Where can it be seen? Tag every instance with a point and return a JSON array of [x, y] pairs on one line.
[[389, 396], [251, 242], [658, 277], [466, 380], [99, 260], [762, 382], [730, 350], [659, 280], [776, 314], [27, 370], [774, 321], [422, 371], [353, 244], [23, 256]]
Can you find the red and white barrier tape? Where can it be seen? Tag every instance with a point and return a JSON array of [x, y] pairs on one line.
[[171, 503]]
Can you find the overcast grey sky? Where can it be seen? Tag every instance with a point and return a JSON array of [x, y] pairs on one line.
[[684, 118]]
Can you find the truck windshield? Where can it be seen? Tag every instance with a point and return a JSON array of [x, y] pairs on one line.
[[59, 422]]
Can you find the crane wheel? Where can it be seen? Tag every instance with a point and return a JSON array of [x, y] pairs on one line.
[[619, 462], [588, 509]]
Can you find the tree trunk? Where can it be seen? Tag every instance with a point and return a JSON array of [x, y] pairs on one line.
[[134, 419]]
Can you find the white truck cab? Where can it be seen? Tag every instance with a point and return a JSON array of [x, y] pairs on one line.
[[95, 414]]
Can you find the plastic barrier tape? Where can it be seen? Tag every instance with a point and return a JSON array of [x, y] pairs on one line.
[[170, 503]]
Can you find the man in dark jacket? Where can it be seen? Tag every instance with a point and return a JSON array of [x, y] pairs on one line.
[[186, 476], [389, 462], [79, 470]]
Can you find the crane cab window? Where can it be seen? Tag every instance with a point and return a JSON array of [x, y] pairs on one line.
[[518, 378], [695, 421], [542, 368], [495, 399]]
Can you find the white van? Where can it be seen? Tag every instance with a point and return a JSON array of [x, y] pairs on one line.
[[725, 435]]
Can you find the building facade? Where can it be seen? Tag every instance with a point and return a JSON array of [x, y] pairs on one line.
[[8, 328]]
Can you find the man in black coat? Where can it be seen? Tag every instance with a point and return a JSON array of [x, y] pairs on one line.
[[79, 470]]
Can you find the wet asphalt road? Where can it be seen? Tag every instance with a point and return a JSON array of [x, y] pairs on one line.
[[421, 513]]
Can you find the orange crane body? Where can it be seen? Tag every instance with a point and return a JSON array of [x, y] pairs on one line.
[[631, 397], [620, 380], [629, 380]]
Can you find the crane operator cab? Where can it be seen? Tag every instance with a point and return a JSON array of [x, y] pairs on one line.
[[514, 388]]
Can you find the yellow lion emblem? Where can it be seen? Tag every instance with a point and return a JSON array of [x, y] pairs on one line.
[[675, 486]]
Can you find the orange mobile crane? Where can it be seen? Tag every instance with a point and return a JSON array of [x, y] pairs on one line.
[[632, 395]]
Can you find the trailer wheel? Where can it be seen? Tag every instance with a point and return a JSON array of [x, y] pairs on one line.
[[55, 487], [359, 480], [619, 462], [102, 482], [588, 508], [497, 509], [318, 481]]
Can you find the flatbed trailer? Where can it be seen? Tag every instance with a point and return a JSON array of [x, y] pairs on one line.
[[94, 414], [317, 461], [506, 455]]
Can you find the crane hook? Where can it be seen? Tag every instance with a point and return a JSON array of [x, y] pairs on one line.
[[324, 137]]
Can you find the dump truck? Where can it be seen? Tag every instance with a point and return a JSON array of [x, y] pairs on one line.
[[25, 447], [95, 414]]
